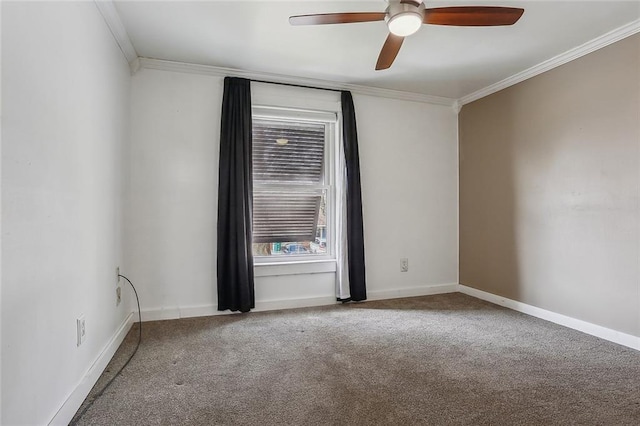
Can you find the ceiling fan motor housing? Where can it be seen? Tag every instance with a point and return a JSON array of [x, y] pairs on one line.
[[404, 18]]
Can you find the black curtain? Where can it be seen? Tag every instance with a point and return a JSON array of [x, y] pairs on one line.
[[355, 233], [235, 192]]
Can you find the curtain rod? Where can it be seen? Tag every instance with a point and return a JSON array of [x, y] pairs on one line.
[[296, 85]]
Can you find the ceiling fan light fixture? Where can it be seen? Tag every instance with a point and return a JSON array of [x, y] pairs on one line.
[[405, 17], [405, 23]]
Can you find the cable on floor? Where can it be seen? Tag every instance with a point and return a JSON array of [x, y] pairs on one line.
[[78, 416]]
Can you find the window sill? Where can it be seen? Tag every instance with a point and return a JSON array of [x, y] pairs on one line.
[[269, 269]]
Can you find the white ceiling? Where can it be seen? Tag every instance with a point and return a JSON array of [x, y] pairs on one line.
[[442, 61]]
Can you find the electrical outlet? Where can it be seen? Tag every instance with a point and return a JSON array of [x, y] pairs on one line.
[[118, 295], [81, 329], [117, 274], [404, 264]]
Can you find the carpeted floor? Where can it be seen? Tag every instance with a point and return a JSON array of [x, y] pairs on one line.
[[434, 360]]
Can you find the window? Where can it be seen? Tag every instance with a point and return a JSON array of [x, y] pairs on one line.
[[292, 184]]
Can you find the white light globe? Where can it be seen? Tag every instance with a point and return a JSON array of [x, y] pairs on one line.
[[404, 24]]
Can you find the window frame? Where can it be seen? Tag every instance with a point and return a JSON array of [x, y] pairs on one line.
[[331, 123]]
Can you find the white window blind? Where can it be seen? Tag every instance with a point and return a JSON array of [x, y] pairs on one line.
[[288, 173], [299, 157], [280, 218]]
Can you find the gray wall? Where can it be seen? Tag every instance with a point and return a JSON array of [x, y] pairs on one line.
[[65, 105], [408, 158], [549, 190]]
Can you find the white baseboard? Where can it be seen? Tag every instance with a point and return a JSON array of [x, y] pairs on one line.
[[208, 310], [425, 290], [159, 314], [82, 389], [272, 305], [614, 336]]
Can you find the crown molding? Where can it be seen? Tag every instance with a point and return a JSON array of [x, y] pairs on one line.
[[568, 56], [112, 18], [457, 106], [183, 67], [108, 11]]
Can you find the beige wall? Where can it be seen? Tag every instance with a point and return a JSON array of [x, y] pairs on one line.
[[550, 190]]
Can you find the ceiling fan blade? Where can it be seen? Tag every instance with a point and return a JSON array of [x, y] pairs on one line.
[[389, 51], [336, 18], [473, 16]]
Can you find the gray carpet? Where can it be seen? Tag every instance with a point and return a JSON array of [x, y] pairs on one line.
[[433, 360]]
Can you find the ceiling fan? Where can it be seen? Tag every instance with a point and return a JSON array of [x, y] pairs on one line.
[[405, 17]]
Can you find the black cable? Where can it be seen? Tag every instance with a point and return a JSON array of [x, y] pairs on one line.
[[78, 416]]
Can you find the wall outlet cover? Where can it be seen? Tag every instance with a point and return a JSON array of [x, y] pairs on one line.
[[81, 329], [118, 295], [404, 264]]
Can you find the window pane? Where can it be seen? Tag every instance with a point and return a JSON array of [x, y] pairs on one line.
[[287, 152], [284, 217], [315, 243]]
